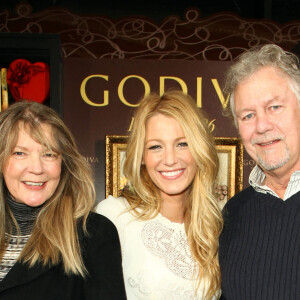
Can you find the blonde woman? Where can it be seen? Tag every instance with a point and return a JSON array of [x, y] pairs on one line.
[[168, 218], [51, 245]]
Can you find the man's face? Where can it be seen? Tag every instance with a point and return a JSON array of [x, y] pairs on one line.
[[268, 118]]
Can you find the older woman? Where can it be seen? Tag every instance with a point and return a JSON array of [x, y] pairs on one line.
[[168, 219], [51, 245]]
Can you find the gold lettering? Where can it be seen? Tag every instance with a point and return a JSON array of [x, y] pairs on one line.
[[91, 159], [179, 80], [131, 124], [199, 91], [84, 95], [121, 87], [223, 101], [211, 125], [249, 162]]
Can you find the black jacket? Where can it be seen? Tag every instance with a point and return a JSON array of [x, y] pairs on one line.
[[102, 258]]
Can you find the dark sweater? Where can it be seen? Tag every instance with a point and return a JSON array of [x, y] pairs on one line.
[[101, 256], [260, 247]]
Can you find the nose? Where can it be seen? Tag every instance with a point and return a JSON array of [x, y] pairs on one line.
[[263, 124], [36, 165], [170, 157]]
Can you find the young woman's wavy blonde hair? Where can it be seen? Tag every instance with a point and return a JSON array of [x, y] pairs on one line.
[[203, 219], [54, 238]]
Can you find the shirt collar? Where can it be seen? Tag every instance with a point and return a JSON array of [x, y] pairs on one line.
[[257, 177]]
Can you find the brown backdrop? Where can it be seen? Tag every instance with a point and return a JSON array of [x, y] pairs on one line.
[[102, 94]]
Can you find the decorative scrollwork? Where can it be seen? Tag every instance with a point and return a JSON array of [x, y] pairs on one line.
[[223, 36]]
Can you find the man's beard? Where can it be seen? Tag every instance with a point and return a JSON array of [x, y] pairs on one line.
[[280, 161], [273, 165]]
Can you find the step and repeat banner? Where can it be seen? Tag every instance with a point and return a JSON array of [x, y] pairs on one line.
[[100, 96]]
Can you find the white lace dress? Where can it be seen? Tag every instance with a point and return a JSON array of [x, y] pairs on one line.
[[157, 263]]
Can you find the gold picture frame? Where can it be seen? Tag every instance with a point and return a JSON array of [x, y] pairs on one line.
[[230, 176]]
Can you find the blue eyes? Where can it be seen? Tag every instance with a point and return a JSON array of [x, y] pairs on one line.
[[46, 155], [183, 144], [270, 109], [275, 107], [156, 147], [248, 117], [50, 154], [18, 153]]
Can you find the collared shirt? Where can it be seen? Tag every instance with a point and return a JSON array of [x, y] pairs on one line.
[[257, 177]]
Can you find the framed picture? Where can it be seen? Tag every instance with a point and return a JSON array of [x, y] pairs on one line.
[[229, 179]]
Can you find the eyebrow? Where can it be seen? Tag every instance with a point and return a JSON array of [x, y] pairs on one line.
[[21, 147], [267, 102], [160, 140]]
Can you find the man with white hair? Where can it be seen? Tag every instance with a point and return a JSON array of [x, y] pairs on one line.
[[260, 243]]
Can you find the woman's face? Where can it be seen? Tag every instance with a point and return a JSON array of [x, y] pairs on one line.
[[167, 157], [32, 172]]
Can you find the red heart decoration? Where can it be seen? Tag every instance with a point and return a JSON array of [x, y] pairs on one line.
[[28, 81]]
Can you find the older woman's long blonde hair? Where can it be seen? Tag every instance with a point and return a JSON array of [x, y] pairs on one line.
[[54, 237], [203, 219]]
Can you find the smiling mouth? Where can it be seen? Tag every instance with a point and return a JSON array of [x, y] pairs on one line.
[[269, 143], [171, 173], [30, 183]]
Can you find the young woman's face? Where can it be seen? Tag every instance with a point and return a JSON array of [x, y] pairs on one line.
[[32, 172], [167, 157]]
